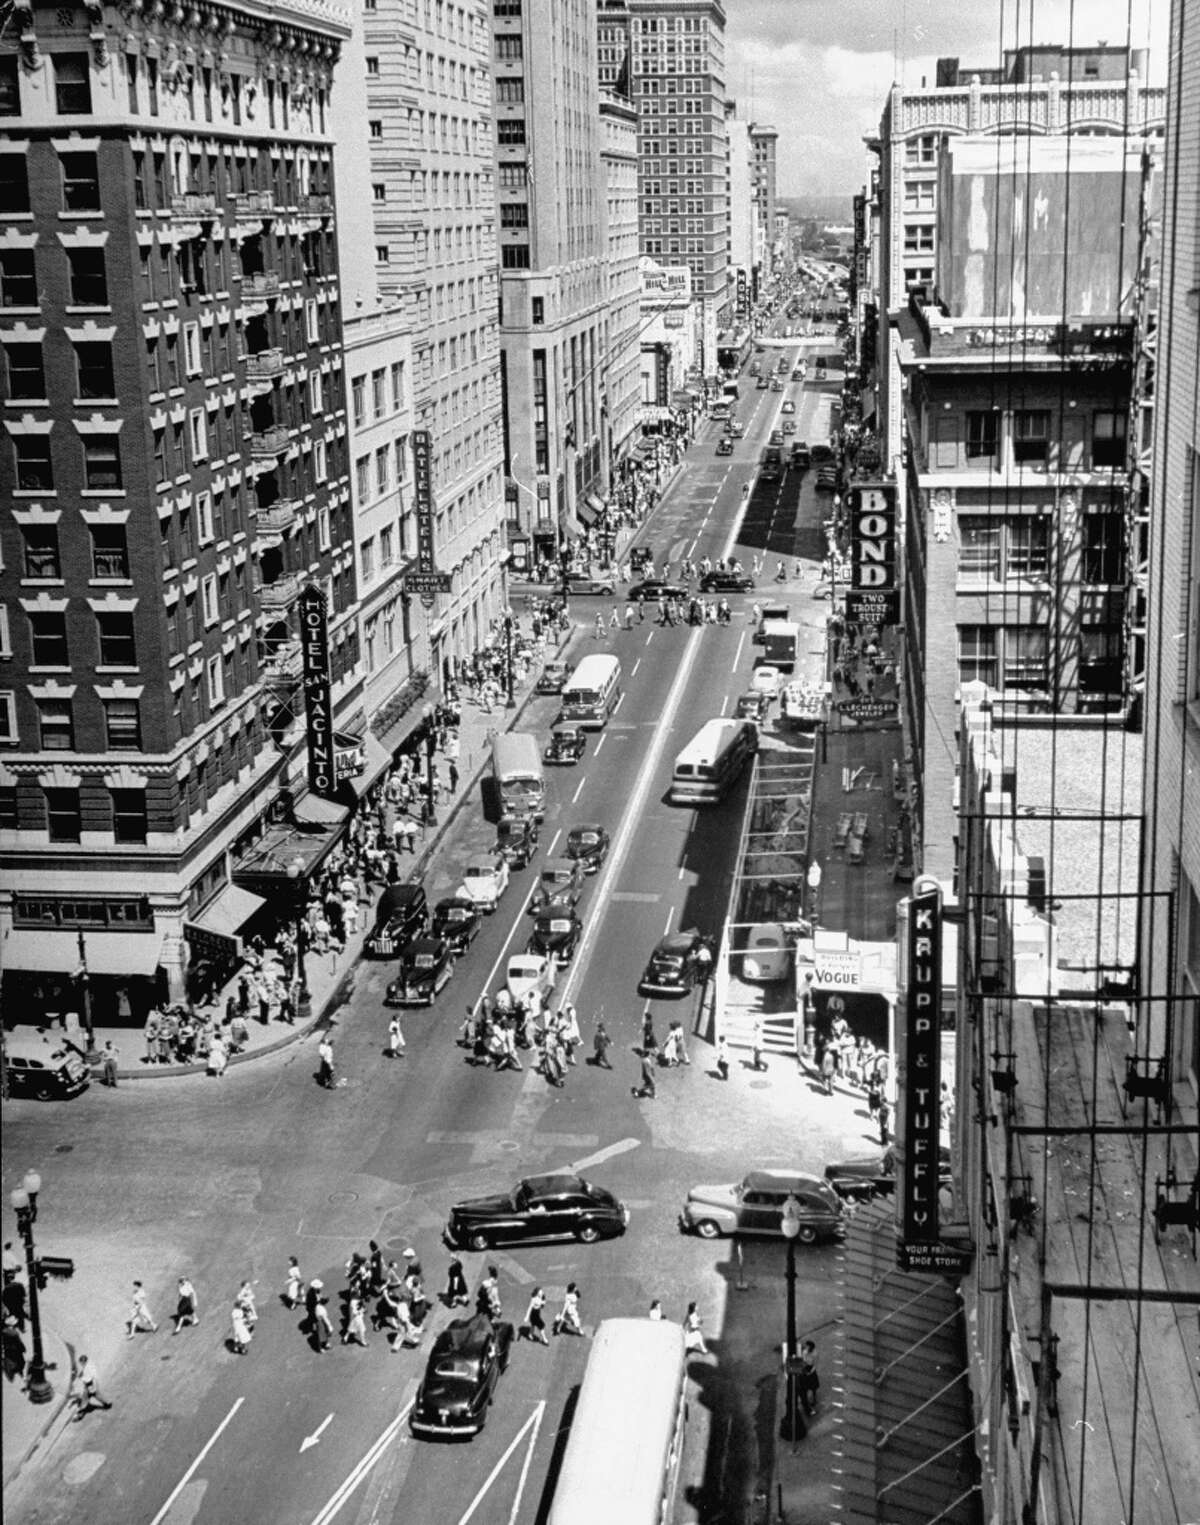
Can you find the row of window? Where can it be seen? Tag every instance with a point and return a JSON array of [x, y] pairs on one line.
[[991, 550], [391, 547], [1017, 657], [56, 725], [1032, 438], [379, 393], [373, 471], [100, 460], [41, 557], [25, 370]]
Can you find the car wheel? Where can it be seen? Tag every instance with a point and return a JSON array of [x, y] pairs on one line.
[[606, 592], [806, 1234], [43, 1093], [707, 1229], [588, 1234], [479, 1240]]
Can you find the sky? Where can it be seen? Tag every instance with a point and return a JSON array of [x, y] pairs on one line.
[[819, 70]]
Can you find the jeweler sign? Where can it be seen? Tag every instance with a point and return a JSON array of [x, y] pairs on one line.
[[921, 1058], [318, 691]]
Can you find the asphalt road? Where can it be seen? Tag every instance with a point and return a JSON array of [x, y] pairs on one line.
[[228, 1181]]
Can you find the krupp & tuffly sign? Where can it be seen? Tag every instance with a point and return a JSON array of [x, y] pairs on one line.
[[922, 1066]]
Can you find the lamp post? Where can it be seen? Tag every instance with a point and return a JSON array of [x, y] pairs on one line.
[[814, 890], [85, 994], [430, 745], [295, 873], [24, 1201], [794, 1427], [508, 635]]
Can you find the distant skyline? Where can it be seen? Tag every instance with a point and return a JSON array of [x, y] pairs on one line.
[[819, 71]]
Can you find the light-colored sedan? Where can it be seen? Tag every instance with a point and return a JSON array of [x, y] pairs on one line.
[[527, 973], [484, 881], [768, 955], [767, 680]]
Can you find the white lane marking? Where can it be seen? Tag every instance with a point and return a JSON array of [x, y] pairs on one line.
[[599, 744], [609, 1152], [524, 1478], [617, 706], [682, 871], [667, 924], [649, 635], [311, 1440], [344, 1489], [738, 655], [624, 834], [553, 843], [578, 789], [534, 1419], [634, 668], [188, 1475]]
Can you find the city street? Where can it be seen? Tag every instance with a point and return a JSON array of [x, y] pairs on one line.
[[226, 1182]]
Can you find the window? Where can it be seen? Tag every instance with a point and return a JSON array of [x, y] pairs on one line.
[[358, 394], [208, 599], [922, 150], [10, 86], [366, 552], [378, 193], [977, 654], [379, 392], [510, 131], [510, 92], [979, 551], [110, 553], [1028, 547], [1103, 558], [56, 725], [114, 630], [538, 309], [508, 48], [62, 815], [1101, 664], [41, 551], [89, 282], [122, 725], [1031, 436], [18, 278], [375, 128], [362, 477], [8, 715], [14, 183], [80, 182], [72, 85], [1026, 649], [514, 257], [191, 349], [129, 815], [199, 434], [204, 517], [514, 214], [1108, 439], [513, 176], [215, 680], [983, 434], [382, 256], [94, 370], [102, 463], [316, 393], [385, 546], [398, 384], [34, 472], [372, 68], [26, 370], [381, 470]]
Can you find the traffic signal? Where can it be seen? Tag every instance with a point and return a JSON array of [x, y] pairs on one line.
[[61, 1267]]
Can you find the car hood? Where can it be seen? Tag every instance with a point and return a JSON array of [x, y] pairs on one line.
[[863, 1168], [714, 1196], [478, 887], [451, 1393], [485, 1207]]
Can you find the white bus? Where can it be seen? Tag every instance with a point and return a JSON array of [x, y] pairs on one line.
[[712, 761], [621, 1463], [590, 694], [520, 778]]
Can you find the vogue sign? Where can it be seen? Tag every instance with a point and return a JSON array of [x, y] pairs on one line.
[[872, 538]]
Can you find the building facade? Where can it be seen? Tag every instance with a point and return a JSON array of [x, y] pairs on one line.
[[618, 123], [175, 472], [764, 141]]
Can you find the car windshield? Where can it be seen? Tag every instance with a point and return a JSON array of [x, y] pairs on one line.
[[455, 1369], [558, 926], [456, 913], [424, 961]]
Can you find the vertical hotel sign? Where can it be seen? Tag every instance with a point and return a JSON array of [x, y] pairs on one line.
[[318, 691], [922, 1072], [422, 454]]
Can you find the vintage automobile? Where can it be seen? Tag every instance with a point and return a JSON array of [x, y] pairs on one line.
[[47, 1068], [566, 745], [773, 611], [559, 883], [827, 479], [402, 914], [528, 974], [767, 680], [823, 454], [762, 383], [725, 445], [517, 839], [737, 428], [776, 384], [726, 582], [788, 406], [676, 964], [460, 1379], [776, 437], [426, 964], [552, 677], [801, 455], [583, 582], [457, 921], [539, 1207], [587, 845], [484, 881], [752, 706], [789, 426], [767, 957], [874, 1175], [655, 588], [556, 933], [754, 1205]]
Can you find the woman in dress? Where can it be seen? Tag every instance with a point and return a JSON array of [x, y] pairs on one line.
[[534, 1327], [693, 1331]]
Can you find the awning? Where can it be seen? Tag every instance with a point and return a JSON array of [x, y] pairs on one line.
[[585, 513], [58, 952], [231, 909], [316, 810], [545, 527], [907, 1430], [376, 759], [304, 847]]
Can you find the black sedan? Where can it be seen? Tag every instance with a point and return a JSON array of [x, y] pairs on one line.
[[588, 845], [874, 1175], [655, 588], [556, 933], [677, 964], [540, 1207], [567, 745], [583, 582], [552, 678], [425, 966], [457, 922], [461, 1376], [726, 582], [517, 839], [724, 445]]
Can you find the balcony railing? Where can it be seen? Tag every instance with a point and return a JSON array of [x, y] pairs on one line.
[[194, 204], [316, 206], [265, 365], [284, 665], [253, 204], [271, 441], [264, 283], [282, 593], [279, 517]]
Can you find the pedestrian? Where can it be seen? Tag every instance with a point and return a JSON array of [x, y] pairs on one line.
[[487, 1299], [356, 1324], [407, 1333], [375, 1263], [599, 626], [534, 1327], [185, 1306], [629, 616], [109, 1060], [885, 1119], [139, 1314], [681, 1052], [614, 620], [670, 1051], [828, 1066], [387, 1310], [567, 1321], [656, 1311], [756, 1043], [452, 771], [395, 1038], [722, 1058], [601, 1044], [245, 1301], [240, 1331], [218, 1055], [293, 1290], [808, 1377], [704, 962], [648, 1038], [456, 1294], [693, 1331], [89, 1396], [641, 609], [648, 1088], [239, 1033], [325, 1055]]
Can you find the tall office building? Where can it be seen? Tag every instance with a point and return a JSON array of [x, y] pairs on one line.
[[552, 266], [618, 122], [430, 149], [764, 141], [174, 473]]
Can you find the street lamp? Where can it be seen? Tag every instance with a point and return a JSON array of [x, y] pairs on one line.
[[24, 1201], [295, 873], [85, 993], [814, 888], [508, 635], [794, 1427], [427, 713]]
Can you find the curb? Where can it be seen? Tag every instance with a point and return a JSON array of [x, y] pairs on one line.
[[54, 1422]]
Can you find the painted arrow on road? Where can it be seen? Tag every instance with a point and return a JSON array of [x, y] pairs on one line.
[[311, 1440]]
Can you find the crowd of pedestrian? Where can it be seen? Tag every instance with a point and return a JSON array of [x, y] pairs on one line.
[[856, 1061]]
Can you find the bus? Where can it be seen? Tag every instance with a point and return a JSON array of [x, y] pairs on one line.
[[590, 694], [622, 1457], [520, 781], [712, 761], [721, 409]]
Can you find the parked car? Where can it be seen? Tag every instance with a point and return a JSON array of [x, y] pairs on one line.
[[770, 612], [822, 453], [776, 437], [556, 933], [676, 964], [552, 678], [737, 428], [583, 582], [460, 1379], [457, 921], [726, 582], [801, 455], [539, 1207], [753, 706], [768, 954], [567, 744], [401, 915], [762, 384], [725, 445], [789, 426], [827, 479], [426, 965], [788, 406], [798, 374], [776, 384], [655, 588], [823, 588], [874, 1175], [46, 1068], [560, 882], [767, 680], [529, 973], [484, 881], [517, 839], [587, 845], [754, 1205]]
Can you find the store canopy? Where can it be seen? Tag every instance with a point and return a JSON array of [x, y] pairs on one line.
[[231, 909], [376, 759], [58, 952], [586, 513], [316, 810]]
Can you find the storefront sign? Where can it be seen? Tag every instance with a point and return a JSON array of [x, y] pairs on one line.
[[427, 582], [939, 1259], [838, 971], [214, 946], [422, 454], [318, 691], [874, 608], [867, 709], [872, 537], [921, 1060]]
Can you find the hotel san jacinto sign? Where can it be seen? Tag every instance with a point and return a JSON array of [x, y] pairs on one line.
[[872, 598], [318, 691], [426, 579]]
